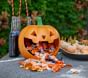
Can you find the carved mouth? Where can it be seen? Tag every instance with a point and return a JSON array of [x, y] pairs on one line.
[[40, 47]]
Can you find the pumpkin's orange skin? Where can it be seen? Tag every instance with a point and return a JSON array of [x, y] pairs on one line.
[[40, 30]]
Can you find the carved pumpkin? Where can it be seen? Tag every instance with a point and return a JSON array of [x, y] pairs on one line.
[[35, 38]]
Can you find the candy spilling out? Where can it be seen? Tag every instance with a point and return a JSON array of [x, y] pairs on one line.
[[47, 62], [40, 47]]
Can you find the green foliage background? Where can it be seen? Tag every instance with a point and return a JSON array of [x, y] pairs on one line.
[[61, 14]]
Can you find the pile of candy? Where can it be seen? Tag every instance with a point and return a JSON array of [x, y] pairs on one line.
[[40, 47], [47, 62]]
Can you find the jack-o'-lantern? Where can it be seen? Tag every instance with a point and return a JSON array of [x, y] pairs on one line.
[[34, 39]]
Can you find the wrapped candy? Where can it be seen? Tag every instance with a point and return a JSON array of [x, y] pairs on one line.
[[43, 64], [46, 60]]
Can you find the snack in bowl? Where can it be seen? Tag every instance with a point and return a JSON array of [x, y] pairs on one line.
[[78, 47]]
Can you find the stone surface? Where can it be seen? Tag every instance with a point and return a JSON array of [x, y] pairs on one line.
[[11, 69]]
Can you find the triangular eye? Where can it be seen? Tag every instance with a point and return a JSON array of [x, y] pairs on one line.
[[51, 34], [43, 36], [33, 33]]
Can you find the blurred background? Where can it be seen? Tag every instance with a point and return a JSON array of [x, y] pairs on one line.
[[69, 17]]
